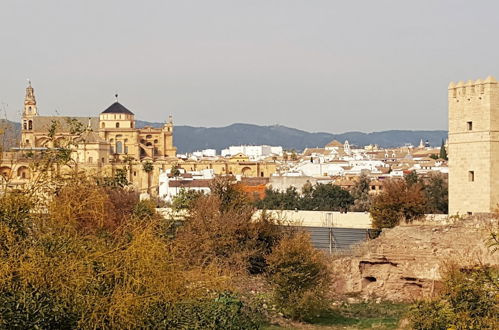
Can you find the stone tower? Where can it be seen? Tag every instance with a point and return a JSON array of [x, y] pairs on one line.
[[473, 146], [29, 112]]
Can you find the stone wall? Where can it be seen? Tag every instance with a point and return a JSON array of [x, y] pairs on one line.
[[406, 262]]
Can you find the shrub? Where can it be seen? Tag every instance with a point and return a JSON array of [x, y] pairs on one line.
[[15, 212], [399, 201], [299, 276], [230, 239], [469, 300], [226, 311]]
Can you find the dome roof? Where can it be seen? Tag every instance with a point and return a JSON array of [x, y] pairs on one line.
[[116, 107]]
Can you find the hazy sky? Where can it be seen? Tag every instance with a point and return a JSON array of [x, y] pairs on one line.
[[331, 66]]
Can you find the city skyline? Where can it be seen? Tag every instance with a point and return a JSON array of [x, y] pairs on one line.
[[315, 66]]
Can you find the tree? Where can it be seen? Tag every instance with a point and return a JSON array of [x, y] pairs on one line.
[[411, 178], [148, 167], [175, 170], [299, 276], [327, 197], [360, 193], [437, 194], [443, 151], [185, 199], [399, 201]]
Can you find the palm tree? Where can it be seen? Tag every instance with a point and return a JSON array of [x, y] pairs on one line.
[[148, 167]]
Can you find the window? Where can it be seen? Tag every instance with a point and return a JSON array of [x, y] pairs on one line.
[[103, 125], [471, 176], [117, 125], [119, 147], [469, 125], [90, 160], [126, 149], [25, 125], [30, 125]]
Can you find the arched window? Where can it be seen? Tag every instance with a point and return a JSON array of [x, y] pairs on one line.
[[117, 125], [119, 147], [25, 125], [103, 125], [30, 125]]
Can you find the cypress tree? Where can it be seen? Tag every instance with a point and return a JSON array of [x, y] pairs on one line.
[[443, 152]]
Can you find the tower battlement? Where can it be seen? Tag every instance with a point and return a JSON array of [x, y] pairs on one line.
[[473, 88]]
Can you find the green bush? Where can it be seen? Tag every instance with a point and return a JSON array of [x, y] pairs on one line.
[[299, 276], [469, 300]]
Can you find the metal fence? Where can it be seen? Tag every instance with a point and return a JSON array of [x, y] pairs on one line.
[[333, 239]]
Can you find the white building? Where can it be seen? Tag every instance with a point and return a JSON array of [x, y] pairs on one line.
[[253, 152], [169, 187]]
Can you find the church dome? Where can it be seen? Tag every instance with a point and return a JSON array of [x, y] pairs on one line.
[[117, 107]]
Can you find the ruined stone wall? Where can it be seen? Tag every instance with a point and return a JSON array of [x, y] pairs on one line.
[[406, 262]]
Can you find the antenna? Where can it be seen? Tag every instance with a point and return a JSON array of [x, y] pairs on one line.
[[116, 96]]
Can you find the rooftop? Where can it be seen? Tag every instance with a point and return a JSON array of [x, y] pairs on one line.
[[117, 107]]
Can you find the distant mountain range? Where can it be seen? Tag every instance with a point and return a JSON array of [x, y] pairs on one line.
[[189, 139]]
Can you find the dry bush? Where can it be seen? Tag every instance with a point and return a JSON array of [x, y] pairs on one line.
[[225, 236], [300, 277]]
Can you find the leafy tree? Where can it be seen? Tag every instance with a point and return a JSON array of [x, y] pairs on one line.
[[437, 194], [277, 200], [185, 199], [443, 151], [360, 193], [175, 170], [118, 180], [299, 276], [411, 178], [327, 197], [399, 201]]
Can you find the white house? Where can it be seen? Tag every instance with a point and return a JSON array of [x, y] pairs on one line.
[[169, 186]]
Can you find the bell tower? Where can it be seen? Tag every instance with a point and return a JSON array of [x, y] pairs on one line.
[[29, 112]]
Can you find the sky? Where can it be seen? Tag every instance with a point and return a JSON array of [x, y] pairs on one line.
[[321, 66]]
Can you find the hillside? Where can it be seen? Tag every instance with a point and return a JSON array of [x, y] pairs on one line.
[[188, 138]]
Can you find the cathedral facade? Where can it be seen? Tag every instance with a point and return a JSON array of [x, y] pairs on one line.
[[99, 140]]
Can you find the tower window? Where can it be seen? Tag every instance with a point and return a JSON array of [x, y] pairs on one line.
[[30, 125], [25, 125], [103, 125], [471, 176], [469, 125], [117, 125]]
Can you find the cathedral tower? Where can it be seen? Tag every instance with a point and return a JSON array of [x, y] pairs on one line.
[[473, 146], [29, 112]]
